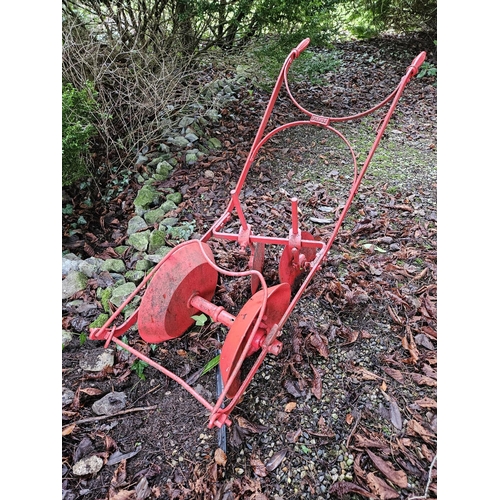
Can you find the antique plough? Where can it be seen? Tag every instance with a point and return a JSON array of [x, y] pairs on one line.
[[184, 282]]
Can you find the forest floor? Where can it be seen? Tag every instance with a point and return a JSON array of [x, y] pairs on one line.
[[348, 409]]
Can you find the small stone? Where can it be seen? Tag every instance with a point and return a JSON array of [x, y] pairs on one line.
[[113, 266], [66, 338], [157, 240], [179, 141], [164, 168], [185, 121], [136, 224], [143, 265], [97, 360], [70, 262], [74, 282], [146, 196], [154, 216], [191, 137], [168, 206], [175, 197], [88, 465], [91, 266], [214, 142], [121, 293], [134, 276], [140, 241], [110, 404], [67, 396]]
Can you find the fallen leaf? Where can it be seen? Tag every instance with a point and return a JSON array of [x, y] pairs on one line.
[[68, 430], [255, 428], [423, 380], [290, 406], [276, 460], [395, 415], [414, 428], [317, 384], [91, 391], [292, 386], [293, 436], [365, 374], [258, 467], [123, 495], [117, 481], [397, 477], [395, 374], [349, 418], [142, 490], [340, 489], [118, 456], [426, 403], [320, 343], [220, 457], [380, 487]]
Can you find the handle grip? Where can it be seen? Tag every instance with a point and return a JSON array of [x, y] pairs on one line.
[[301, 46], [417, 62]]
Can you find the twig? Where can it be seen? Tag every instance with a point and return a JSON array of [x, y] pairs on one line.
[[353, 429], [429, 479], [149, 392], [104, 417]]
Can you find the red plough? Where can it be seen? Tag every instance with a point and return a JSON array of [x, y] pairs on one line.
[[183, 283]]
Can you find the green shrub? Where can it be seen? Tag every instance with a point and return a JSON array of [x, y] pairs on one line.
[[79, 108]]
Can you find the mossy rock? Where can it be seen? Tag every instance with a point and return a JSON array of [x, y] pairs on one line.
[[157, 240], [146, 197], [140, 241], [99, 321], [175, 197], [154, 216], [113, 266]]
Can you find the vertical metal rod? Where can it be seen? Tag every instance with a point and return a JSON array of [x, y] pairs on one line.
[[221, 432], [295, 216]]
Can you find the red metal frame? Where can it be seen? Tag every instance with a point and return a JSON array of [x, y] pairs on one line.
[[295, 244]]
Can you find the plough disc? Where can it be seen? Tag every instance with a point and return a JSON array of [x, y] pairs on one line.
[[165, 312], [289, 271], [278, 300]]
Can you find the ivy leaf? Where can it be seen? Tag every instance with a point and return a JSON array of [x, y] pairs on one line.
[[200, 319]]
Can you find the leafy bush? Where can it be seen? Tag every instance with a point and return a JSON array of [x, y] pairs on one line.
[[78, 114]]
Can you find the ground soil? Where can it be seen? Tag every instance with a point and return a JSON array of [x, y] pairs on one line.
[[348, 409]]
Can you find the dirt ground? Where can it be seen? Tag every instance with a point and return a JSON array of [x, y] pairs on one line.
[[348, 409]]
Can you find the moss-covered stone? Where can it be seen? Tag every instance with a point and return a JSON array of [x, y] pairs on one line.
[[154, 216], [143, 265], [105, 296], [134, 276], [136, 224], [74, 282], [214, 143], [181, 232], [120, 293], [164, 168], [157, 240], [121, 249], [146, 197], [113, 266], [168, 206], [175, 197], [99, 321], [139, 241]]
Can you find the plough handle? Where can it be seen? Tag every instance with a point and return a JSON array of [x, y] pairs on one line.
[[417, 62], [301, 46]]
